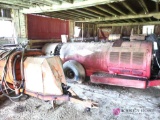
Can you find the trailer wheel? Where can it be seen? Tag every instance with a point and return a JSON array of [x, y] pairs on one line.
[[74, 71]]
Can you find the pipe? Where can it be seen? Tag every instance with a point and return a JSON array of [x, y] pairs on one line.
[[48, 97]]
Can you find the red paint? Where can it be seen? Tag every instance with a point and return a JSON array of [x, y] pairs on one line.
[[110, 80], [40, 27], [127, 64], [129, 59], [154, 83], [132, 59]]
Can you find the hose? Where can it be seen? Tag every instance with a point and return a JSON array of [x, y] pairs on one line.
[[14, 75], [14, 68], [4, 71], [22, 69], [3, 78]]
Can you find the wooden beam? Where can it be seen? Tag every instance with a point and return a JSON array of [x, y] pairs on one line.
[[71, 14], [43, 2], [69, 1], [66, 6], [4, 18], [61, 16], [105, 10], [157, 6], [143, 20], [129, 8], [122, 17], [94, 11], [9, 6], [115, 8], [86, 13], [134, 20], [65, 16], [9, 2], [39, 3], [142, 3], [27, 3], [129, 24], [82, 15], [127, 21]]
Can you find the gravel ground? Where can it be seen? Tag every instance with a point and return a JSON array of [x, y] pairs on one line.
[[115, 103]]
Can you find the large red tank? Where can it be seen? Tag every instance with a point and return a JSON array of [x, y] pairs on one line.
[[123, 59], [127, 58]]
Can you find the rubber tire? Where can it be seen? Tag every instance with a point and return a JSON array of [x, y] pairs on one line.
[[76, 68]]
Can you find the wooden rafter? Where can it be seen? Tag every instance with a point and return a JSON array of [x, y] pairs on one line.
[[115, 8], [129, 7], [129, 24], [64, 15], [86, 13], [144, 6], [69, 1], [72, 14], [82, 15], [94, 11], [123, 17], [134, 20], [143, 20], [105, 10], [77, 4]]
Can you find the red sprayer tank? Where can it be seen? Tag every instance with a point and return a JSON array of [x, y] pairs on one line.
[[128, 62], [128, 58]]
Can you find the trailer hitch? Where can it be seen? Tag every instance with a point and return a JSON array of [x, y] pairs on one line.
[[76, 99]]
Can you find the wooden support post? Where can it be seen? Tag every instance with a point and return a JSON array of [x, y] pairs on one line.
[[121, 30], [157, 6], [74, 29], [138, 30], [82, 31]]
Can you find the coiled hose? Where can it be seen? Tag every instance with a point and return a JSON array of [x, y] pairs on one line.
[[14, 74]]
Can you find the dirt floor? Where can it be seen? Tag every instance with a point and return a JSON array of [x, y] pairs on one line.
[[115, 103]]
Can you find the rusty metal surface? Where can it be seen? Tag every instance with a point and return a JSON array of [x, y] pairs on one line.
[[46, 73], [48, 97], [119, 80], [9, 76]]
